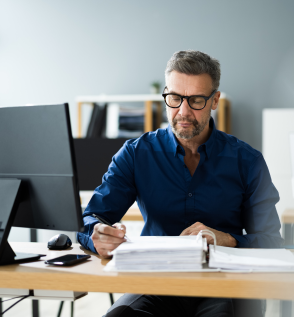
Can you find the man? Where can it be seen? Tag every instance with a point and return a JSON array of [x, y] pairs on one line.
[[185, 178]]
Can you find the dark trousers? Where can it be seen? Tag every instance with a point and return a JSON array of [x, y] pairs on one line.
[[132, 305]]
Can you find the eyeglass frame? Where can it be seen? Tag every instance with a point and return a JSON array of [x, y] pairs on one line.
[[187, 98]]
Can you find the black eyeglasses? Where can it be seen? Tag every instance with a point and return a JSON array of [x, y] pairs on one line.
[[196, 102]]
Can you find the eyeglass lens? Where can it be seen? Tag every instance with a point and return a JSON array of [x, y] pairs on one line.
[[195, 102]]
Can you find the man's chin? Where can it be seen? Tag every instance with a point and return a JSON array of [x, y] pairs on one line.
[[184, 133]]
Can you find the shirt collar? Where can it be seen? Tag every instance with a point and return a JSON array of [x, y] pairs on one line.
[[207, 146], [173, 140]]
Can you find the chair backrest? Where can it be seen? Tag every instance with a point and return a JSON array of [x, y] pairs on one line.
[[249, 307]]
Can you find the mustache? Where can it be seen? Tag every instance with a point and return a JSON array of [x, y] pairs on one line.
[[185, 119]]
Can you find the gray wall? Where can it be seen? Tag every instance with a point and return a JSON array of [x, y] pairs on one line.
[[52, 51]]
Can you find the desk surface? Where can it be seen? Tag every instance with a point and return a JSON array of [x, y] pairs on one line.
[[133, 214], [288, 216], [91, 277]]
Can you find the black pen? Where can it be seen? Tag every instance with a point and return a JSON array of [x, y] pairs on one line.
[[108, 224]]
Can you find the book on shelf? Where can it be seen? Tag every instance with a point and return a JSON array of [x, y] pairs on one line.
[[96, 128]]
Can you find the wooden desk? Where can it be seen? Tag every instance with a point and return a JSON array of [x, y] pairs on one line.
[[288, 216], [288, 223], [133, 214], [91, 277]]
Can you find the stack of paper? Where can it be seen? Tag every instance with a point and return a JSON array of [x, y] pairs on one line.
[[266, 260], [161, 254]]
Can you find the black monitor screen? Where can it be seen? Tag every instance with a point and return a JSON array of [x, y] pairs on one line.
[[36, 147]]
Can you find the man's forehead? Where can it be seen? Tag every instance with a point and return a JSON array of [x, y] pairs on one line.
[[195, 84]]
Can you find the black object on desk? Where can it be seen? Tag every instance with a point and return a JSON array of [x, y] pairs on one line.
[[10, 195], [59, 242], [68, 259], [38, 178], [108, 224]]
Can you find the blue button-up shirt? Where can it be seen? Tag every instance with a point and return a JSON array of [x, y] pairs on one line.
[[231, 189]]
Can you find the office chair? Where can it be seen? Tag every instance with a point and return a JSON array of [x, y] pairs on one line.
[[249, 307]]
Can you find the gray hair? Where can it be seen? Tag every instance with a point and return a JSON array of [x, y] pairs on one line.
[[194, 63]]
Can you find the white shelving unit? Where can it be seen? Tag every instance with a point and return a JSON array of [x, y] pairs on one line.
[[223, 111]]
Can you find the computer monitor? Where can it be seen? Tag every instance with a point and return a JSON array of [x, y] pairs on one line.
[[38, 178]]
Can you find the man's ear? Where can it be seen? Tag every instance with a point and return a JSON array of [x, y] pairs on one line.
[[215, 100]]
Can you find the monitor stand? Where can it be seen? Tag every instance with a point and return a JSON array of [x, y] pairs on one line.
[[10, 197]]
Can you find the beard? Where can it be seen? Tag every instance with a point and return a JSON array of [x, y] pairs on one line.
[[188, 134]]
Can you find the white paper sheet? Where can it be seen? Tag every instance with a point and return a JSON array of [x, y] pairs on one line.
[[159, 254], [267, 260]]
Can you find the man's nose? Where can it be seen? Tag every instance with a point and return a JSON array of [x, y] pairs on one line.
[[185, 109]]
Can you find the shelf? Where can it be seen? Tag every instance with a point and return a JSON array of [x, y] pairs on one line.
[[147, 99], [223, 110]]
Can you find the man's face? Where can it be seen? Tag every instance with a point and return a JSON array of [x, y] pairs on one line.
[[186, 122]]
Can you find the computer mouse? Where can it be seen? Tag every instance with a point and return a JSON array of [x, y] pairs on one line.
[[59, 242]]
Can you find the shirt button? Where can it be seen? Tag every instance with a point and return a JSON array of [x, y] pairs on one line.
[[190, 194]]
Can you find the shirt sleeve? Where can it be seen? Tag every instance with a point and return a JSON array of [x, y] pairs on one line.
[[113, 197], [259, 213]]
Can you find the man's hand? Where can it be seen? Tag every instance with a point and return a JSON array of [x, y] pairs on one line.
[[106, 238], [222, 238]]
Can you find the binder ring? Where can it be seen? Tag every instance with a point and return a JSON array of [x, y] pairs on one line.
[[209, 233]]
